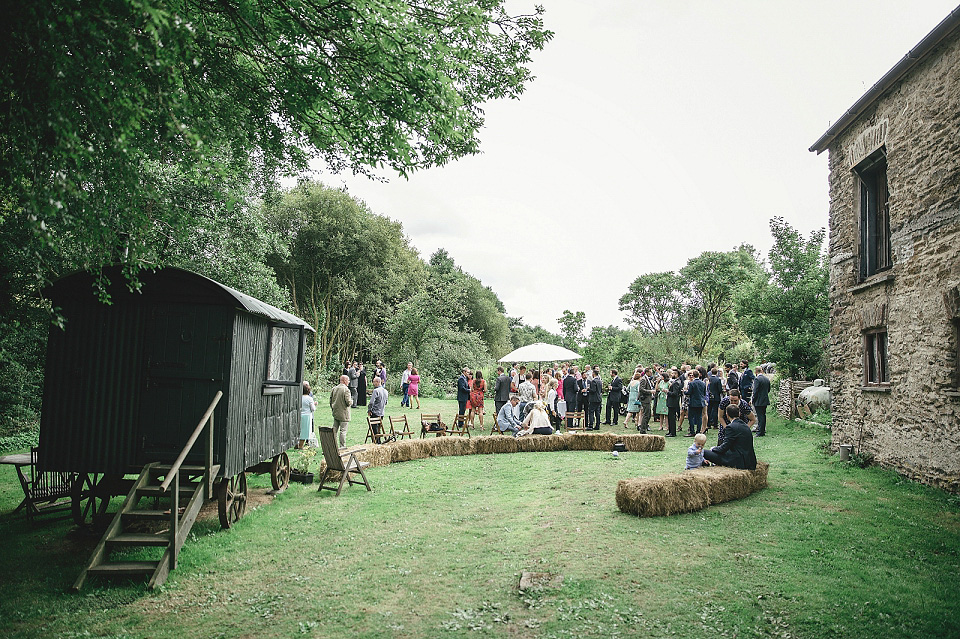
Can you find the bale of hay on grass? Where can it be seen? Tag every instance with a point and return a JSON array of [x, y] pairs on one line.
[[604, 441], [689, 491], [489, 444], [410, 449], [375, 454], [541, 443], [644, 443], [664, 495], [451, 446]]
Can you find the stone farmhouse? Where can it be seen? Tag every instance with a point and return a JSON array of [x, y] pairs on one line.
[[895, 264]]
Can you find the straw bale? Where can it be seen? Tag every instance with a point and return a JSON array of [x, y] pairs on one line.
[[604, 441], [409, 449], [376, 454], [689, 491], [541, 443], [490, 444], [664, 495], [452, 445]]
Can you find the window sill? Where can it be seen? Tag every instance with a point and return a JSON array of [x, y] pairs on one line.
[[270, 389], [876, 389], [873, 280]]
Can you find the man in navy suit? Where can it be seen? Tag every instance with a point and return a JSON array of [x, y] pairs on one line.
[[746, 381], [736, 450], [715, 388], [761, 399], [463, 390], [698, 404], [570, 391]]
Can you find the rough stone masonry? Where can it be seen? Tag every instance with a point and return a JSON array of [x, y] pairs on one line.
[[911, 421]]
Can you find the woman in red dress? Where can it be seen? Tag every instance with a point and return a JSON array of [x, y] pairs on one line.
[[477, 388]]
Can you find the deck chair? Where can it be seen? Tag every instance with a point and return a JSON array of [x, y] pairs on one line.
[[578, 420], [460, 426], [374, 435], [404, 427], [46, 492], [335, 463], [431, 423]]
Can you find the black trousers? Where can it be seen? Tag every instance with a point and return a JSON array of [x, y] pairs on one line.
[[498, 406], [645, 408], [613, 403], [593, 414], [672, 413], [713, 421], [463, 406], [761, 419]]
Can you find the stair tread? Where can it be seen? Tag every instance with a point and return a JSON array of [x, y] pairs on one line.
[[139, 539], [147, 514], [125, 567], [185, 489], [186, 468]]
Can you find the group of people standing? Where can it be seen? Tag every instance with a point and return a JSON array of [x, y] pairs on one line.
[[356, 374], [697, 395]]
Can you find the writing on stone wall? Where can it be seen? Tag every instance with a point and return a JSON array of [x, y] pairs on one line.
[[869, 141]]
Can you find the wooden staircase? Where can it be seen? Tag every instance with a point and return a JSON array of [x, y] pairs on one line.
[[165, 525]]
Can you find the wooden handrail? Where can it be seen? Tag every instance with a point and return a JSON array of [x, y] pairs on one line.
[[175, 469]]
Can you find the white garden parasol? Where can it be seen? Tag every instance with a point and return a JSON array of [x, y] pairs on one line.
[[540, 352]]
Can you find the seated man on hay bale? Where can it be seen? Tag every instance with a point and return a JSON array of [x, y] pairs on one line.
[[507, 420], [736, 450]]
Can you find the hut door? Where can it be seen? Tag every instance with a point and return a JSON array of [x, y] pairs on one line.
[[185, 351]]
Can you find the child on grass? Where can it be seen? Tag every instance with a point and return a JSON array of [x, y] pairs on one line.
[[695, 452]]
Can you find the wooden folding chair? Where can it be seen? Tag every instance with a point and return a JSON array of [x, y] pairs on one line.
[[578, 420], [374, 435], [344, 463], [430, 423], [460, 426], [404, 430], [46, 492]]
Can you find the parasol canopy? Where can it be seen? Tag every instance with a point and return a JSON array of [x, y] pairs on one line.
[[540, 352]]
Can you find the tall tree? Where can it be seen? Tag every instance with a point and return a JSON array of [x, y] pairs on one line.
[[571, 327], [93, 92], [345, 267], [786, 310], [712, 279], [653, 302]]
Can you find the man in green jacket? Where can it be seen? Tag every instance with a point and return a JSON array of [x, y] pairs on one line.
[[340, 402]]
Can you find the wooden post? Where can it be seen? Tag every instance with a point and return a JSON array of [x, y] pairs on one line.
[[174, 520], [209, 474]]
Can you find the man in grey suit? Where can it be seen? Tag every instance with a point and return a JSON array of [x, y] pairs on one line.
[[761, 399], [501, 390], [354, 374]]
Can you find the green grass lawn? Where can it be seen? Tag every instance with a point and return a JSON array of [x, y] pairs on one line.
[[436, 550]]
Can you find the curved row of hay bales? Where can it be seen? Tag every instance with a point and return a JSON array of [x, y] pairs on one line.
[[409, 449], [688, 491]]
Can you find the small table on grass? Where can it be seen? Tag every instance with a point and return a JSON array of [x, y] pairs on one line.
[[18, 461]]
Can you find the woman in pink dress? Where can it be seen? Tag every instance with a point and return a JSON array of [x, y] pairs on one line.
[[414, 390]]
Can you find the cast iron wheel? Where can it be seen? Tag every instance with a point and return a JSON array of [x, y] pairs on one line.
[[280, 471], [89, 497], [232, 499]]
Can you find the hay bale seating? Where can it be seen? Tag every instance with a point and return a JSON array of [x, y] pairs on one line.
[[688, 491], [410, 449]]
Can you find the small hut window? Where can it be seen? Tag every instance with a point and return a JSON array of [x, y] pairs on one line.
[[875, 358], [284, 356]]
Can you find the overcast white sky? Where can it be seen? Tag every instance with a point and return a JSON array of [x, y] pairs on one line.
[[655, 130]]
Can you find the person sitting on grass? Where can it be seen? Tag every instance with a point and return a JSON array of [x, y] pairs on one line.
[[695, 452], [737, 449], [537, 421], [507, 417]]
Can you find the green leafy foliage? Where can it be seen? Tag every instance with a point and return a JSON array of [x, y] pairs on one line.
[[786, 309]]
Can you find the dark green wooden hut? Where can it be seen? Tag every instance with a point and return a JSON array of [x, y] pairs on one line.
[[127, 382]]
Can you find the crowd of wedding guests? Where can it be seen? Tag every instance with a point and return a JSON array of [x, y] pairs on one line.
[[731, 399]]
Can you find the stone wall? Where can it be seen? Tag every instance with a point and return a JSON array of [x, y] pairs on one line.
[[914, 424]]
